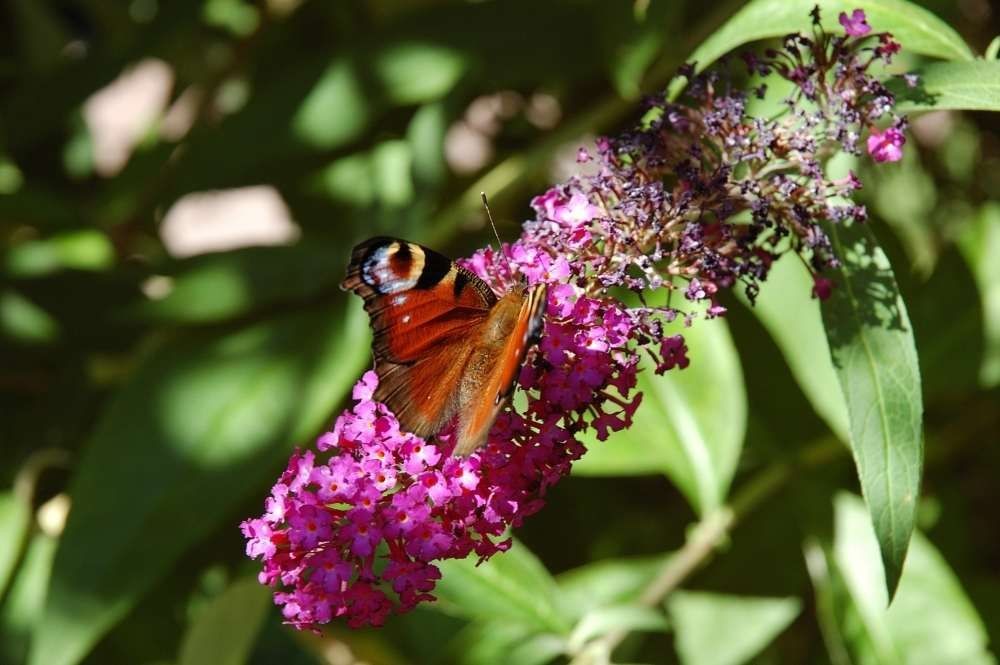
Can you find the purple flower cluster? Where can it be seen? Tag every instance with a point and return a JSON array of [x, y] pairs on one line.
[[700, 198]]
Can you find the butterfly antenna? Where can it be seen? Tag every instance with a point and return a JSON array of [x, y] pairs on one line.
[[489, 215]]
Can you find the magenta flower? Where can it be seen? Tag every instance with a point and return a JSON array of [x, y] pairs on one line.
[[886, 146], [699, 199], [856, 25]]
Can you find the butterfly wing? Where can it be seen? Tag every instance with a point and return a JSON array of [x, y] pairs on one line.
[[426, 314], [495, 364]]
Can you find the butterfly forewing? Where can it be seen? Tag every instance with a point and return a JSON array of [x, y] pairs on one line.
[[443, 342]]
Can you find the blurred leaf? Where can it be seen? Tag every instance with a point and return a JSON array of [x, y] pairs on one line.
[[609, 582], [23, 604], [219, 286], [690, 425], [425, 134], [603, 620], [236, 16], [202, 425], [967, 86], [992, 50], [931, 620], [980, 245], [25, 321], [716, 629], [413, 72], [82, 249], [916, 28], [335, 110], [514, 586], [226, 629], [632, 60], [792, 316], [15, 518], [905, 198], [492, 642], [871, 343]]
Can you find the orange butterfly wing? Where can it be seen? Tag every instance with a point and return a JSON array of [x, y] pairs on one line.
[[488, 395], [426, 314]]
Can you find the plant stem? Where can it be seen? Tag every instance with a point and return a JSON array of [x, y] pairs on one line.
[[710, 532]]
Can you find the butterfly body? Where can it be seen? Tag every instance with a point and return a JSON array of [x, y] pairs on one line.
[[444, 344]]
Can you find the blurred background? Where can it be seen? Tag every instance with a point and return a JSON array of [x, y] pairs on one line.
[[180, 184]]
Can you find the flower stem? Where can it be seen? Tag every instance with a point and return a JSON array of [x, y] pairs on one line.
[[710, 532]]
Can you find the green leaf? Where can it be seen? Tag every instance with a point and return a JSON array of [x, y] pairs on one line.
[[514, 586], [413, 72], [957, 86], [980, 245], [792, 316], [15, 518], [717, 629], [690, 425], [931, 619], [22, 608], [491, 642], [218, 286], [917, 29], [202, 425], [608, 582], [871, 343], [226, 629], [604, 620]]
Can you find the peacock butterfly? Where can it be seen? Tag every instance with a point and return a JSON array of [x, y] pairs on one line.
[[444, 344]]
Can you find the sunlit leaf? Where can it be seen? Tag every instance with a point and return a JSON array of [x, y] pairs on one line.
[[919, 30], [871, 343], [608, 582], [931, 619], [415, 72], [690, 425], [224, 631], [491, 642], [15, 517], [23, 604], [513, 585], [612, 618], [717, 629], [202, 425], [23, 320], [792, 316], [959, 86]]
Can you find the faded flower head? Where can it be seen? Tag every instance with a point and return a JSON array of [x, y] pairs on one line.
[[698, 199]]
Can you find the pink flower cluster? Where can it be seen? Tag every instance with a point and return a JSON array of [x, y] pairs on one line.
[[353, 528]]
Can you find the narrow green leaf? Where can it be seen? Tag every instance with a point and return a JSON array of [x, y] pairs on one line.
[[690, 425], [792, 316], [956, 86], [931, 619], [22, 608], [15, 517], [917, 29], [608, 582], [202, 425], [717, 629], [514, 586], [980, 245], [502, 641], [226, 629], [871, 343], [604, 620]]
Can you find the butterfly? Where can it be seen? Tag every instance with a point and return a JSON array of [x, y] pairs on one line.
[[445, 345]]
